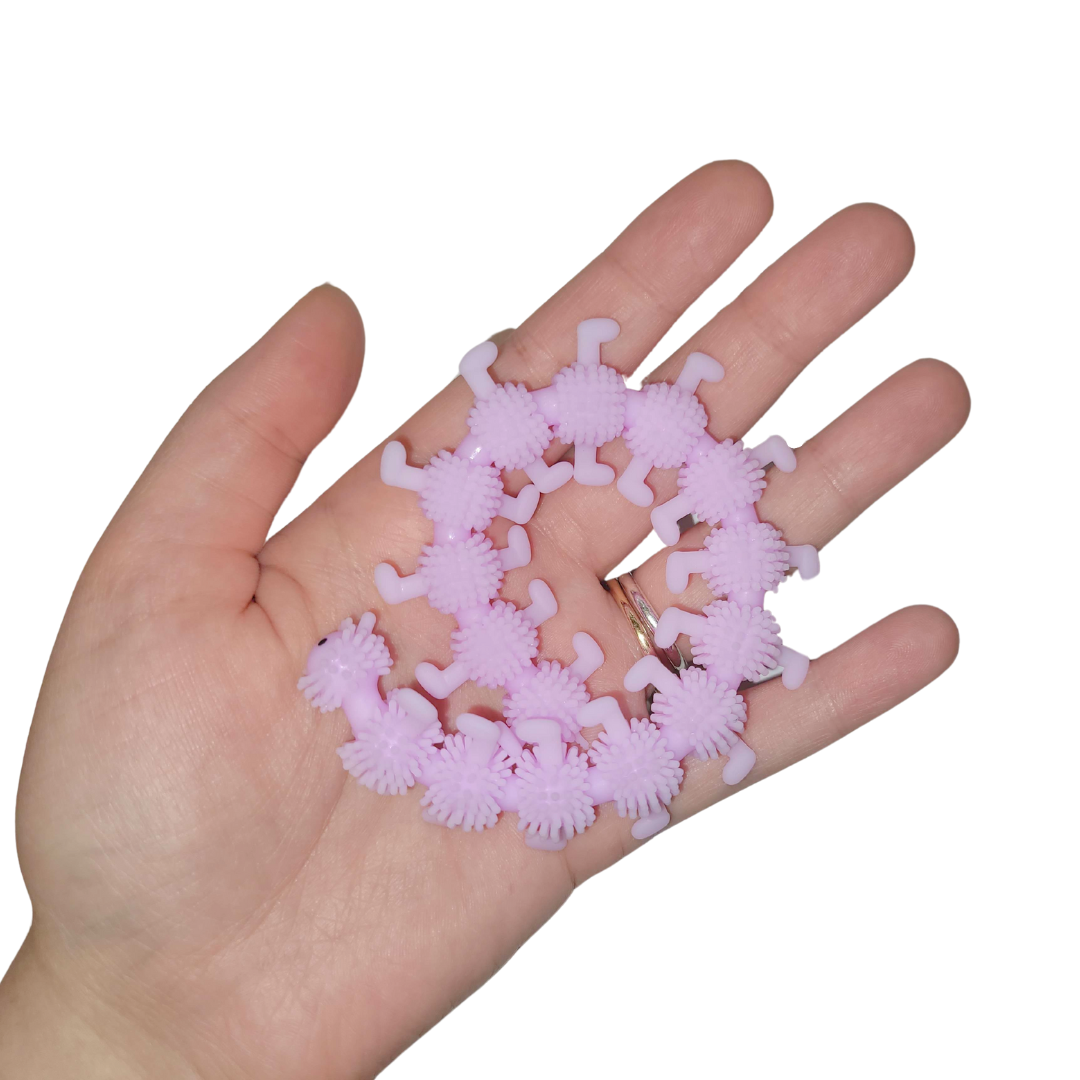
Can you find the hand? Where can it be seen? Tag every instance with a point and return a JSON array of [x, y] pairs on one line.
[[213, 895]]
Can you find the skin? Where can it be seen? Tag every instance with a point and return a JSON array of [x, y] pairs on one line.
[[213, 896]]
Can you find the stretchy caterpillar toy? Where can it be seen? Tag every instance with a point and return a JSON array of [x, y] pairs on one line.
[[536, 762]]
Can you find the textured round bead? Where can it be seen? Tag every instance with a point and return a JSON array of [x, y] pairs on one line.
[[748, 557], [738, 639], [460, 575], [509, 427], [459, 493], [591, 404], [552, 693], [462, 792], [705, 711], [497, 645], [666, 424], [385, 755], [640, 770], [554, 798], [722, 481]]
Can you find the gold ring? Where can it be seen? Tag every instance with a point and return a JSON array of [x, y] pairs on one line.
[[643, 618]]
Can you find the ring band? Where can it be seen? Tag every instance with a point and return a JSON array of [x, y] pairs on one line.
[[643, 619]]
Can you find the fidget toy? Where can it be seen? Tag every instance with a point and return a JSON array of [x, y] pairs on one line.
[[536, 761]]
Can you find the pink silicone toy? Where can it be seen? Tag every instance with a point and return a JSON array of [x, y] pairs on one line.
[[537, 763], [458, 575], [550, 790], [506, 426], [632, 767], [392, 739], [586, 402], [492, 645], [696, 713], [549, 691], [458, 495], [468, 777]]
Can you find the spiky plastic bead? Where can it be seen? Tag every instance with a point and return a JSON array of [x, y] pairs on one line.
[[590, 401], [386, 755], [459, 493], [554, 801], [666, 423], [497, 645], [738, 639], [747, 557], [460, 575], [722, 481], [509, 426], [340, 661], [706, 712], [639, 768], [551, 692], [462, 792]]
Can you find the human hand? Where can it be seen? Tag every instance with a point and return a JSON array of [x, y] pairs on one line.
[[212, 894]]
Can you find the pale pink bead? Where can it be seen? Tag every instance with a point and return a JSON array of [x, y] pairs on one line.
[[460, 494], [665, 424], [722, 481], [737, 639], [553, 799], [342, 662], [463, 792], [496, 645], [590, 402], [509, 427], [553, 693], [387, 755], [462, 574], [748, 557], [706, 713], [638, 768]]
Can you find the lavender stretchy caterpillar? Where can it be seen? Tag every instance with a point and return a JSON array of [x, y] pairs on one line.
[[536, 761]]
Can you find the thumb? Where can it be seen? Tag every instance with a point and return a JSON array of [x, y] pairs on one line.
[[200, 512]]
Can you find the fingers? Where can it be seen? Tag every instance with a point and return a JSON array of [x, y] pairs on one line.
[[863, 678], [843, 469], [645, 279], [820, 288], [218, 479], [884, 437]]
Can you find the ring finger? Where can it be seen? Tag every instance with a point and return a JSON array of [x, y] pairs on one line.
[[841, 471]]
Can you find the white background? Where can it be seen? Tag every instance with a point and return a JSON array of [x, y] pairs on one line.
[[177, 175]]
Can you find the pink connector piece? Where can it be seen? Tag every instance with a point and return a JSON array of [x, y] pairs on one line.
[[742, 561], [734, 642], [506, 427], [458, 575], [633, 767], [586, 402], [460, 496], [718, 481], [550, 790], [696, 713], [467, 778], [664, 422], [549, 691], [392, 740], [492, 645]]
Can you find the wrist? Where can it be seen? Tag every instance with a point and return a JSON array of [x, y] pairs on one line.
[[55, 1027]]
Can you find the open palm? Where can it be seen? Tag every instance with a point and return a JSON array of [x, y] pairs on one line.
[[211, 891]]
